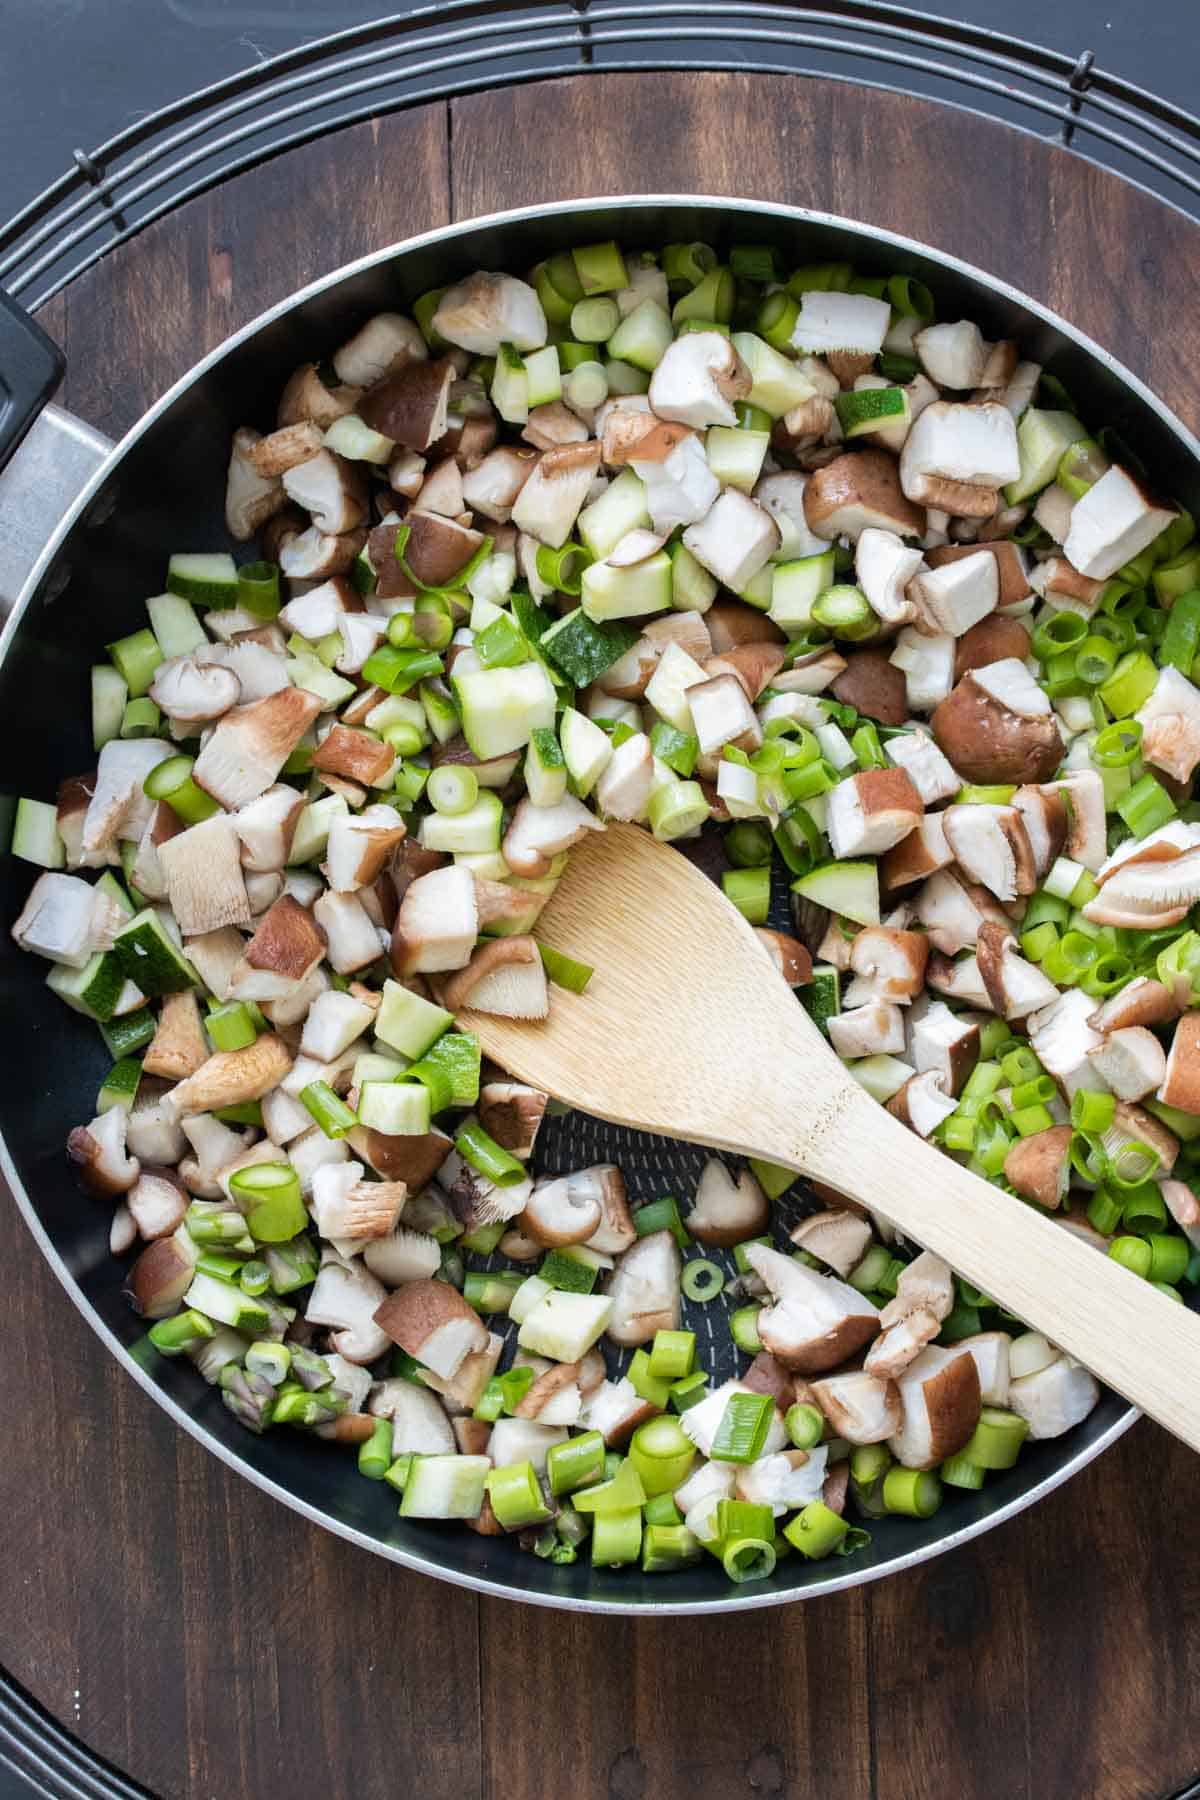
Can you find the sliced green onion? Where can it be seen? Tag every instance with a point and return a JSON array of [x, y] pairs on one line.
[[805, 1426], [1146, 806], [915, 1492], [269, 1194], [662, 1454], [816, 1531], [702, 1280], [1133, 1253], [564, 971], [661, 1215], [1092, 1112], [750, 892], [742, 1432], [743, 1329], [485, 1154], [331, 1113], [996, 1440]]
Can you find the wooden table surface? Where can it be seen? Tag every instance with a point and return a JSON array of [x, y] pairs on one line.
[[215, 1646]]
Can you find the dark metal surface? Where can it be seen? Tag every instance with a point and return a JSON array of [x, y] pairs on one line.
[[37, 1757], [30, 370], [161, 491], [112, 190]]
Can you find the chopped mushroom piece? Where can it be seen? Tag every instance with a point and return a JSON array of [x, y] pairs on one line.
[[557, 1214], [734, 540], [947, 1044], [384, 343], [1060, 1037], [231, 1077], [998, 726], [838, 1239], [916, 753], [1039, 1167], [1143, 1002], [437, 923], [433, 1322], [249, 746], [194, 692], [885, 566], [871, 811], [816, 1321], [486, 310], [856, 491], [727, 1209], [549, 501], [876, 1029], [348, 1208], [510, 1113], [922, 1103], [251, 498], [954, 910], [506, 978], [957, 595], [787, 954], [1181, 1082], [860, 1407], [179, 1045], [1054, 1398], [698, 379], [940, 1402], [1131, 1062], [157, 1202], [957, 456], [991, 846], [411, 404], [202, 867], [644, 1290], [1170, 721], [1113, 522], [901, 1344], [106, 1168], [889, 963]]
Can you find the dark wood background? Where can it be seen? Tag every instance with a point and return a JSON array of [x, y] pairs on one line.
[[215, 1646]]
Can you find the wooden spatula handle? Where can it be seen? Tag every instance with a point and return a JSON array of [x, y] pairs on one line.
[[1141, 1343]]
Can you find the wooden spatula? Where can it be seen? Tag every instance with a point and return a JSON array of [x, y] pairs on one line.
[[686, 1029]]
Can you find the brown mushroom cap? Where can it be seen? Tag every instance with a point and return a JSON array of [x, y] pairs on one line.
[[753, 665], [1181, 1085], [159, 1278], [732, 622], [510, 1113], [410, 405], [355, 754], [437, 547], [556, 1215], [288, 940], [727, 1209], [1039, 1167], [788, 954], [991, 640], [423, 1316], [462, 988], [869, 479], [1014, 584], [767, 1375], [987, 743], [874, 686], [940, 1397], [412, 1158]]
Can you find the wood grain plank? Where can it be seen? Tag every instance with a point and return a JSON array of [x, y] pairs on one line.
[[144, 314], [678, 1709]]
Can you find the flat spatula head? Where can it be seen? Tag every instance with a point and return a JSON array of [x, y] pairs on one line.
[[684, 1018]]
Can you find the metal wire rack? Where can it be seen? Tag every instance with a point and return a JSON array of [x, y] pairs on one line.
[[438, 52]]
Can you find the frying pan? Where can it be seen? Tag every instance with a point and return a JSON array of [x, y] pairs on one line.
[[85, 532]]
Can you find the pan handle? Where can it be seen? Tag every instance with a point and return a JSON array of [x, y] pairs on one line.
[[46, 455], [31, 367]]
